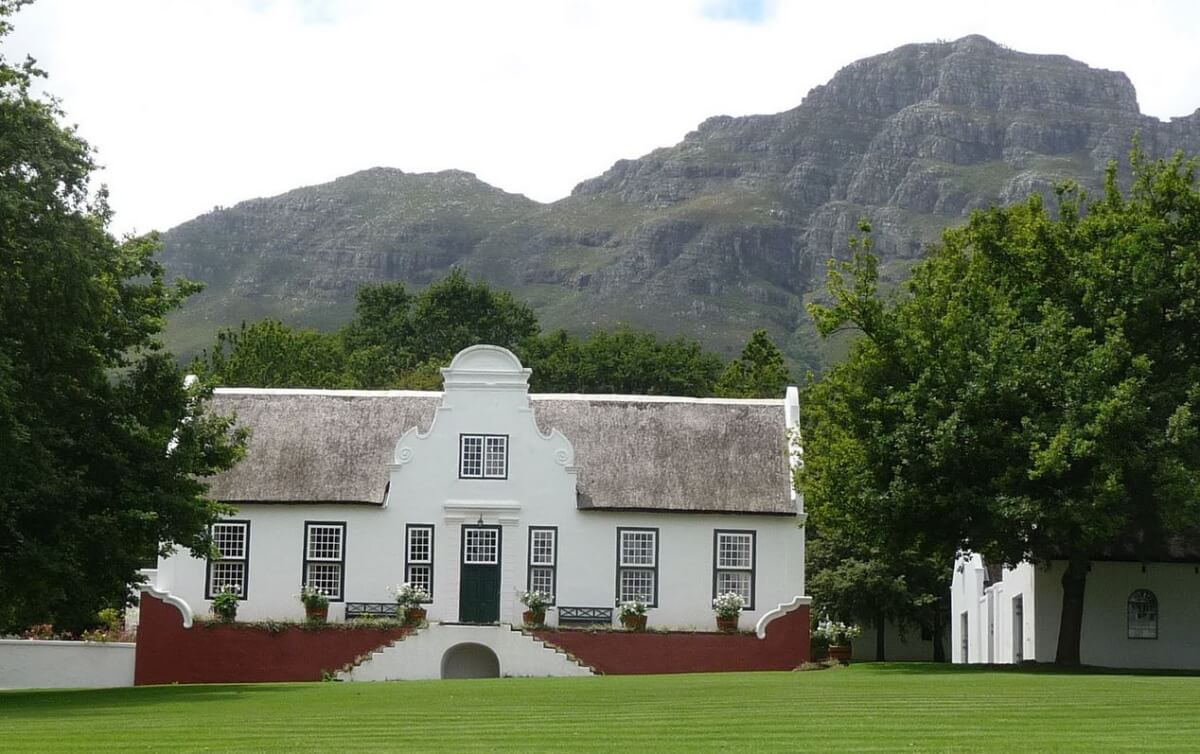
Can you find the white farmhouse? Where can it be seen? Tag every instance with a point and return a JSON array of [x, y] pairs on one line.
[[483, 490], [1135, 615]]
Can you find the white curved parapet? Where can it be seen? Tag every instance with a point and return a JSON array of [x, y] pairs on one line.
[[171, 599], [760, 629]]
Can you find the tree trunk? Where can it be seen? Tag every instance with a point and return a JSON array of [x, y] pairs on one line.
[[880, 627], [1070, 626]]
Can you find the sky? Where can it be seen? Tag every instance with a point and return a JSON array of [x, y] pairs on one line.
[[192, 104]]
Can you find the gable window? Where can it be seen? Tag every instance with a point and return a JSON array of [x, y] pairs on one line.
[[325, 557], [418, 556], [1143, 615], [733, 564], [483, 456], [543, 560], [232, 540], [637, 565]]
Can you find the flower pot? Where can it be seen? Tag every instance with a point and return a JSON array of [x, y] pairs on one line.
[[226, 616], [316, 614], [634, 622], [414, 616], [534, 617], [727, 624], [840, 653]]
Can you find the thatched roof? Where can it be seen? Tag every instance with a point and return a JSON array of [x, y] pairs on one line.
[[676, 454]]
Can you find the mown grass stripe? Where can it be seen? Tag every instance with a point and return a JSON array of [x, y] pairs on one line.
[[863, 708]]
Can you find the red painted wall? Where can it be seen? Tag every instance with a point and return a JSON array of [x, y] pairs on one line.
[[625, 653], [169, 653]]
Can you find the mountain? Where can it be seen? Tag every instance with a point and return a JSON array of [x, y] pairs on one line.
[[728, 230]]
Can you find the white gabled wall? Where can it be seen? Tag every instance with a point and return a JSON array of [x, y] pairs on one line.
[[486, 394]]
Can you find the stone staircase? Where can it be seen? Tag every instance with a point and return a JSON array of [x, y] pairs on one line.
[[455, 650]]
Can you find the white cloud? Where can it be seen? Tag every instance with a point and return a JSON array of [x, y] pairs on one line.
[[193, 103]]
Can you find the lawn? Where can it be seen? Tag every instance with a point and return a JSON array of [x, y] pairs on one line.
[[862, 708]]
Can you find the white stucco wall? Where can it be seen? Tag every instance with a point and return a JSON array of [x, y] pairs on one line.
[[26, 664], [1104, 640], [898, 647], [540, 491]]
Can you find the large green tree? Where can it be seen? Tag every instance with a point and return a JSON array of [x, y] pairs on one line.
[[1032, 395], [102, 449]]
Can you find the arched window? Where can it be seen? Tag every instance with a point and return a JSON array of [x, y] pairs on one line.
[[1143, 615]]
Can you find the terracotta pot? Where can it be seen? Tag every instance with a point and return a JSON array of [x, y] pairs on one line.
[[414, 616], [316, 614], [727, 624], [840, 652], [534, 617], [634, 622]]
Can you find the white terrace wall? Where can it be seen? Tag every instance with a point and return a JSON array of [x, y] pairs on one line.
[[26, 664], [908, 646]]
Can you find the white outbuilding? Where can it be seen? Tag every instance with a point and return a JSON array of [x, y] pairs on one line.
[[1135, 614]]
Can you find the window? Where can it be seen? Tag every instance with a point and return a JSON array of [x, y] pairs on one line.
[[232, 540], [733, 564], [481, 546], [543, 560], [483, 456], [637, 565], [325, 557], [418, 556], [1143, 615]]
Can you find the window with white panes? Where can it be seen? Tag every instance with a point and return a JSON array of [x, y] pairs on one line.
[[325, 557], [543, 560], [733, 564], [1142, 615], [483, 456], [481, 546], [418, 556], [232, 568], [637, 565]]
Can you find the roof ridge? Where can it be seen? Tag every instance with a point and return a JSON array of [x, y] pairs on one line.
[[614, 398]]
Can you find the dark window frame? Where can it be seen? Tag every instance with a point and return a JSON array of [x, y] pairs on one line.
[[657, 560], [341, 563], [553, 568], [408, 563], [483, 475], [753, 570], [1129, 614], [208, 593]]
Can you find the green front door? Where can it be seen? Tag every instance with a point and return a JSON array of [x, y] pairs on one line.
[[479, 581]]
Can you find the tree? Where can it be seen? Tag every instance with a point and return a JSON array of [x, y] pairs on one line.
[[1035, 393], [104, 449], [271, 354], [455, 313], [759, 373], [622, 361]]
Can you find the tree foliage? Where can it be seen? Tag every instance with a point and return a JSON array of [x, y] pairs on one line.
[[621, 361], [759, 373], [1034, 393], [89, 402]]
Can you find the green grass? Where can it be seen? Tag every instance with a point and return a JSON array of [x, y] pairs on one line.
[[883, 707]]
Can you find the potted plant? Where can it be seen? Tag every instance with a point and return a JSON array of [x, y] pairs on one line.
[[535, 603], [633, 614], [316, 604], [728, 607], [409, 598], [225, 604], [838, 635]]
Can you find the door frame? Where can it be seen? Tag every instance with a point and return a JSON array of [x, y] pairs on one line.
[[462, 564]]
